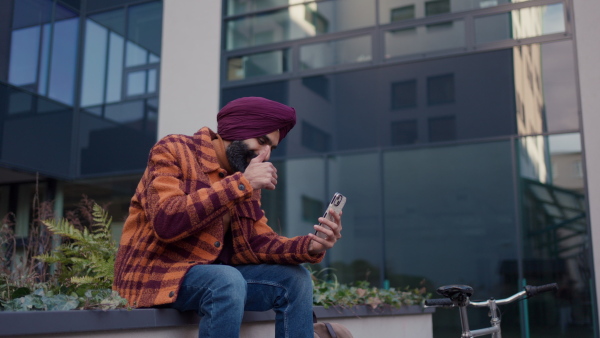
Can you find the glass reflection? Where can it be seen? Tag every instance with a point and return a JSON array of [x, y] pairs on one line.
[[106, 48], [33, 60], [24, 56], [425, 39], [28, 13], [145, 26], [104, 40], [152, 82], [555, 235], [259, 64], [44, 60], [520, 24], [293, 208], [136, 55], [44, 49], [359, 255], [244, 6], [117, 138], [545, 90], [130, 113], [115, 68], [94, 67], [442, 205], [136, 83], [389, 10], [27, 119], [298, 21], [527, 90], [64, 56], [336, 52]]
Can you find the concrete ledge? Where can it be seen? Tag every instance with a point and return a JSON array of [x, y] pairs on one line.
[[167, 322]]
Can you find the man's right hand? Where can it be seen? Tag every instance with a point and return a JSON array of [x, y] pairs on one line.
[[262, 175]]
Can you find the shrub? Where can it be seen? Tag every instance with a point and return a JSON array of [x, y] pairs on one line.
[[77, 274], [87, 257], [331, 293]]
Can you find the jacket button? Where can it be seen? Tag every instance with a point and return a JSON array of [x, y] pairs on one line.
[[242, 187], [217, 244], [172, 293], [221, 174]]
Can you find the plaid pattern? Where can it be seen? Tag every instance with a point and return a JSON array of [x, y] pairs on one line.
[[175, 222]]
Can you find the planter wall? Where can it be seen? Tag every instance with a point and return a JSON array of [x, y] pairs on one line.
[[410, 321]]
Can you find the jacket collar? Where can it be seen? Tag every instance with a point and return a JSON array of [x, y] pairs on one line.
[[205, 151]]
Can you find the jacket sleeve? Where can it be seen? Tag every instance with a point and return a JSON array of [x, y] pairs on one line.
[[270, 247], [174, 214]]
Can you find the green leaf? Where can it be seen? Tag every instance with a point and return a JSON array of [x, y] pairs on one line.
[[60, 303], [20, 292]]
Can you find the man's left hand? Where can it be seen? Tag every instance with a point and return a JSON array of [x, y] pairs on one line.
[[318, 244]]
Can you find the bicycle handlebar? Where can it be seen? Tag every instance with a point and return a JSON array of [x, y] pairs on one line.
[[534, 290], [529, 291], [441, 302]]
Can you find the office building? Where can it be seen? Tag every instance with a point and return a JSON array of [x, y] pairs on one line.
[[462, 132]]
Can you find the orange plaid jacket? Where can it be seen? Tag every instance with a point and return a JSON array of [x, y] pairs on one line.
[[176, 221]]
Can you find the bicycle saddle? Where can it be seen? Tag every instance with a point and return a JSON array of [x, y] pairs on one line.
[[457, 293]]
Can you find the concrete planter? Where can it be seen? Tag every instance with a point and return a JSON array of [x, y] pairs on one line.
[[408, 321]]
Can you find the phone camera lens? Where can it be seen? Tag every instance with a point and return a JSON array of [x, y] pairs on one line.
[[337, 201]]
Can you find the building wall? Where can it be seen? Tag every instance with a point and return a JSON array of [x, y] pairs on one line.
[[419, 180], [588, 49], [189, 84], [513, 95]]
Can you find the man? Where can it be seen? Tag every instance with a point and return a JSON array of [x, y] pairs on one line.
[[197, 239]]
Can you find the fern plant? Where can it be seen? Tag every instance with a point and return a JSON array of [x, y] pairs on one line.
[[86, 258]]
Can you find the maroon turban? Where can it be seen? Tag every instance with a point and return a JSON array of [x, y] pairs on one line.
[[250, 117]]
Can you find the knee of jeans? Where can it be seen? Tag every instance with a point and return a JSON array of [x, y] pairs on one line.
[[301, 277], [233, 285]]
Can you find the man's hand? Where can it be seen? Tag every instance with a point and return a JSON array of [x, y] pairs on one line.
[[262, 175], [318, 244]]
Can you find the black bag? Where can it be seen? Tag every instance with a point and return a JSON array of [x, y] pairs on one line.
[[330, 330]]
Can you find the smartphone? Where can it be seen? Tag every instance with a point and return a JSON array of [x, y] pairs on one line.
[[337, 203]]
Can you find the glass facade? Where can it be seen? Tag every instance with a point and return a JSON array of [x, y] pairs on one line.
[[453, 129], [79, 94], [80, 91], [452, 126]]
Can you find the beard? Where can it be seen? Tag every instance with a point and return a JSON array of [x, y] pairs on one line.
[[239, 155]]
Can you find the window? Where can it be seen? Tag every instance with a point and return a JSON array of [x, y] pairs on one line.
[[301, 19], [402, 13], [404, 94], [336, 52], [259, 64], [436, 8], [316, 19], [43, 49], [440, 89], [520, 24], [578, 167], [121, 54]]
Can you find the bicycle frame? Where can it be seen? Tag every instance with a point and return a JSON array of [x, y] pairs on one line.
[[494, 329], [459, 296]]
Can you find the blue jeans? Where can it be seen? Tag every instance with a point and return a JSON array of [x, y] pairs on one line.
[[221, 294]]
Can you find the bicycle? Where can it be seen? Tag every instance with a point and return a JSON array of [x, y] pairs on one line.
[[459, 296]]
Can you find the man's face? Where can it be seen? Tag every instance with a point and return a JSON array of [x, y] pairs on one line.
[[239, 153]]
